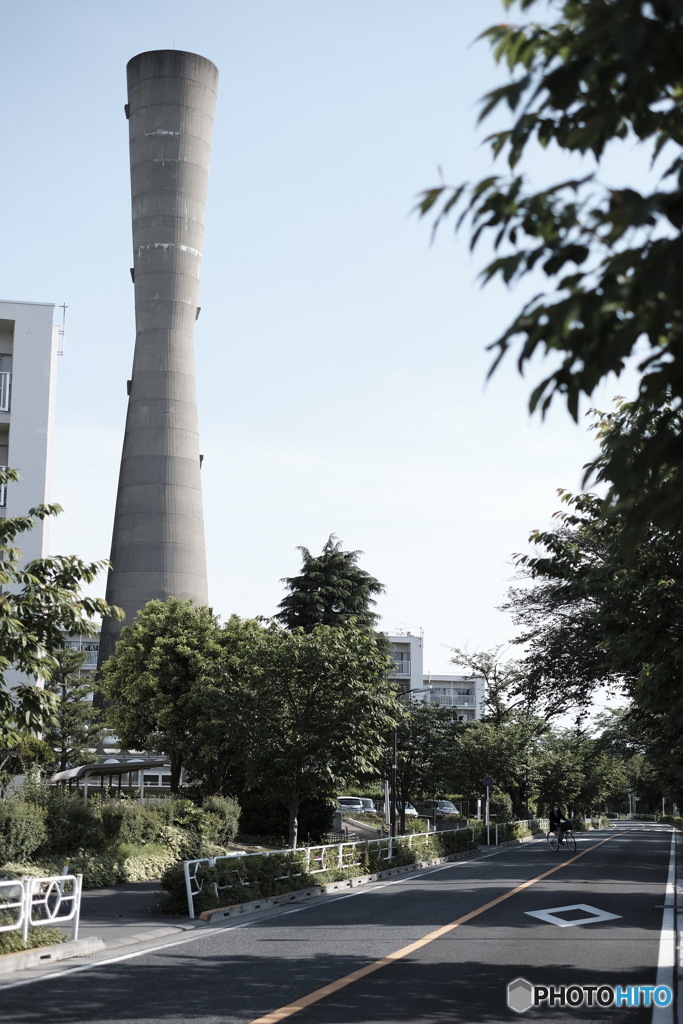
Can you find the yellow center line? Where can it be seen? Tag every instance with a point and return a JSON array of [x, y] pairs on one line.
[[327, 990]]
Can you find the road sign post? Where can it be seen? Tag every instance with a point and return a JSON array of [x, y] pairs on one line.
[[488, 782]]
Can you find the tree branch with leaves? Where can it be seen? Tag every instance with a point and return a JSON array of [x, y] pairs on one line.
[[39, 602], [610, 259]]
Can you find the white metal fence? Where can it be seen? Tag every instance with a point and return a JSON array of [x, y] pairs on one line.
[[313, 860], [54, 902], [309, 860]]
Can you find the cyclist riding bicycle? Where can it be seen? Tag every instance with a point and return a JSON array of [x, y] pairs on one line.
[[558, 823]]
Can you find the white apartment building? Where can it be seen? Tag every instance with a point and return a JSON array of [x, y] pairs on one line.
[[464, 693], [28, 380], [28, 365], [406, 650]]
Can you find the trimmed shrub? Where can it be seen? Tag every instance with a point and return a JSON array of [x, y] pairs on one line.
[[72, 823], [221, 819], [501, 806], [22, 830], [12, 942], [187, 822], [172, 839], [124, 821], [509, 830], [99, 870], [142, 863], [479, 831], [174, 900]]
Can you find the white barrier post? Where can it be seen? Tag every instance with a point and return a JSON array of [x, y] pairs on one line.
[[188, 889], [65, 871], [27, 885], [78, 889]]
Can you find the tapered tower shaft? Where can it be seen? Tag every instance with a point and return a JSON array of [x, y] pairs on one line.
[[158, 537]]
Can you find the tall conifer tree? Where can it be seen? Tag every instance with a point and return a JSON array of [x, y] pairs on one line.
[[331, 590]]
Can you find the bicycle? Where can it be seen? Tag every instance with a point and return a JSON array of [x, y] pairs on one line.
[[567, 840]]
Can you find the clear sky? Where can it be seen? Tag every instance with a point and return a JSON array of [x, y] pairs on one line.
[[340, 356]]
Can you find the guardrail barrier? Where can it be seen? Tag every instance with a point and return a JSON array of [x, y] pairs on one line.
[[54, 902]]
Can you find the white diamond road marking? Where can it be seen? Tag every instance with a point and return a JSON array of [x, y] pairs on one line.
[[592, 915]]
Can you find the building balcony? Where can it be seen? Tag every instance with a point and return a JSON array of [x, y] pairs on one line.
[[401, 669], [90, 647], [453, 700]]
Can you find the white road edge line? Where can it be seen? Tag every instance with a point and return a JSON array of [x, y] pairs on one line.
[[667, 942], [124, 956]]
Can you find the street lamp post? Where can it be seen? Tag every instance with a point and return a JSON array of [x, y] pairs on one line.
[[394, 763]]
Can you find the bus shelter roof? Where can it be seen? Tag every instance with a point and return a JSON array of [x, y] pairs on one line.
[[86, 771]]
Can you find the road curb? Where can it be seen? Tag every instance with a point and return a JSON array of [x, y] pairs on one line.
[[11, 962], [314, 891]]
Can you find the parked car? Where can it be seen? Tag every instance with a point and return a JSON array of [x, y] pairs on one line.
[[368, 805], [440, 808], [410, 811], [351, 804]]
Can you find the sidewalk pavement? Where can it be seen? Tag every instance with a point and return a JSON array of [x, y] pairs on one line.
[[112, 919], [129, 913]]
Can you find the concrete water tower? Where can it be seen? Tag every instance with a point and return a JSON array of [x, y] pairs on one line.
[[157, 546]]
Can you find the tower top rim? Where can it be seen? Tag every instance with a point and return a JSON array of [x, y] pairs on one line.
[[161, 57]]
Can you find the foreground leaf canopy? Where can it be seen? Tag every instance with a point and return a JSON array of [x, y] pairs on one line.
[[594, 75]]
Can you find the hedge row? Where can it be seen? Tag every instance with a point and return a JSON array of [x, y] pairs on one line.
[[109, 841], [51, 822], [124, 863], [242, 879]]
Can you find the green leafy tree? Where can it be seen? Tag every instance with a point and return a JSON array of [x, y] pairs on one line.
[[39, 601], [516, 720], [580, 771], [594, 612], [317, 707], [504, 681], [506, 751], [595, 617], [331, 590], [25, 758], [78, 726], [649, 753], [155, 680], [597, 75], [220, 714], [425, 734]]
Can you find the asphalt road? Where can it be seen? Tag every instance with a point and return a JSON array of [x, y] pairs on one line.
[[439, 946]]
